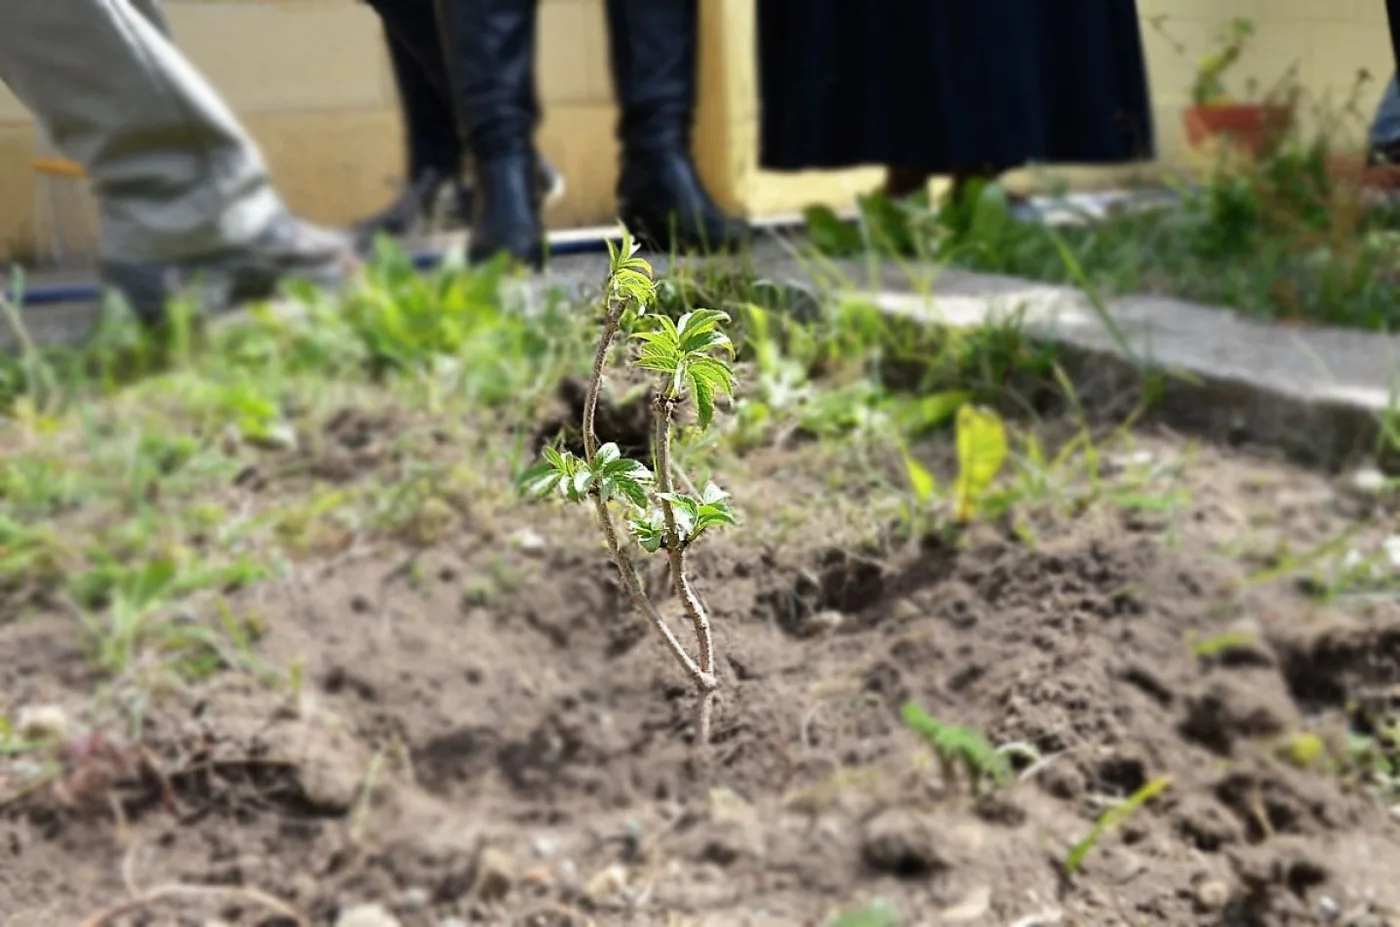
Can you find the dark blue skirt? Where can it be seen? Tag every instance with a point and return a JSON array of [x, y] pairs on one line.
[[945, 85]]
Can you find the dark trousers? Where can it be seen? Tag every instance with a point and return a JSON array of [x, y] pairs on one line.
[[1392, 9], [491, 74], [432, 140]]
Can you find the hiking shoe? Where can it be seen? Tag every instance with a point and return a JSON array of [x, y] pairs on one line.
[[289, 248]]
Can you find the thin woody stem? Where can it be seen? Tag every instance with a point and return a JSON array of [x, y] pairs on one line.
[[611, 323], [703, 678], [675, 554], [704, 681]]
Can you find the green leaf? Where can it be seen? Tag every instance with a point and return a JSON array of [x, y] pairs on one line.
[[959, 746], [1112, 818], [649, 530], [929, 412], [991, 214], [539, 480], [660, 360], [685, 510], [704, 403], [715, 515], [982, 451], [630, 278], [695, 516], [682, 502], [629, 489], [714, 373], [615, 476], [829, 234], [713, 494], [698, 332], [878, 913], [921, 481], [578, 485]]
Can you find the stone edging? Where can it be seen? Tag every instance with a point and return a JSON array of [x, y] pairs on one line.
[[1319, 394]]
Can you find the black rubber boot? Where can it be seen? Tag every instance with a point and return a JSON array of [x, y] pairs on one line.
[[660, 196], [490, 49], [431, 202]]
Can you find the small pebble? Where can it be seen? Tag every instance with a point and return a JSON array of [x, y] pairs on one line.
[[1368, 481], [1211, 895], [414, 899], [366, 915], [822, 623], [495, 875], [906, 610], [529, 542], [607, 883], [42, 722], [971, 908]]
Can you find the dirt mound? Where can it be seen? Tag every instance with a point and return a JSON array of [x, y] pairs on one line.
[[494, 737]]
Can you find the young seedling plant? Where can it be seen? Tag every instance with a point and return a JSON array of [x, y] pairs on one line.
[[691, 360]]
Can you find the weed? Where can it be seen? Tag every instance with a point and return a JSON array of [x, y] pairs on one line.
[[982, 451], [1303, 750], [1284, 236], [1111, 819], [1220, 643], [875, 913], [959, 747], [1207, 84], [686, 356]]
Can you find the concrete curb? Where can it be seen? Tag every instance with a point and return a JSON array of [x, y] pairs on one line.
[[1318, 394]]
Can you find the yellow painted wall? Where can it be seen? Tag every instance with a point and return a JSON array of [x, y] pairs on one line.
[[1329, 40], [311, 81]]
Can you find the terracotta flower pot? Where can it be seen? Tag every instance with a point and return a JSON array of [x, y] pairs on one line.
[[1253, 127]]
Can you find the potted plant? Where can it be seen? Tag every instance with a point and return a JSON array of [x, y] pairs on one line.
[[1214, 115]]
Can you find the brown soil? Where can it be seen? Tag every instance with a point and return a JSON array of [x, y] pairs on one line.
[[486, 730]]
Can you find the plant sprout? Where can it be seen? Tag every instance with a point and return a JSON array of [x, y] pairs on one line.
[[690, 358]]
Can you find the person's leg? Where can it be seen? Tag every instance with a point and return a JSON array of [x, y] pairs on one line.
[[431, 140], [1392, 12], [490, 54], [1385, 127], [178, 182], [432, 150], [902, 182], [660, 196]]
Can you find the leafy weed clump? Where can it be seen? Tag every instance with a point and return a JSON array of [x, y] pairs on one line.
[[960, 750]]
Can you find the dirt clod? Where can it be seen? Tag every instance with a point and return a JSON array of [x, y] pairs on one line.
[[495, 875], [902, 843], [1211, 895], [1238, 707]]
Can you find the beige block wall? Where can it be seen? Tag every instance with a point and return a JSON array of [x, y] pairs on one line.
[[313, 84]]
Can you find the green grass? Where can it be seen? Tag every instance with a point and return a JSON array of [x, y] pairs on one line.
[[1277, 240], [148, 477]]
